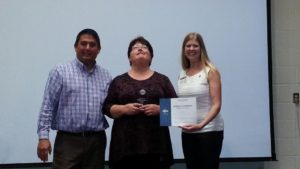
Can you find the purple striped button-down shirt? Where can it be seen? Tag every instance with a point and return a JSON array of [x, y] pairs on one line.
[[73, 99]]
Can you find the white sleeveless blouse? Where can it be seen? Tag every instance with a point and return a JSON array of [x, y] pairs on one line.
[[197, 86]]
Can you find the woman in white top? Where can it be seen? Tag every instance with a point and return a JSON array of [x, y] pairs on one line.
[[201, 142]]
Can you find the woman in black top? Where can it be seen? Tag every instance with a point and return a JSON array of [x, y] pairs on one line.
[[137, 139]]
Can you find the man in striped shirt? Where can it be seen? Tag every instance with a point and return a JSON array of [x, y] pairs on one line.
[[72, 105]]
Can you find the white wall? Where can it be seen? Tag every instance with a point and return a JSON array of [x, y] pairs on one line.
[[286, 81]]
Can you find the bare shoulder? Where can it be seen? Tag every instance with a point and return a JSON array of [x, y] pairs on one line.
[[214, 74]]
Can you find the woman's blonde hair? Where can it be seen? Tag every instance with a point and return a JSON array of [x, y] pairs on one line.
[[204, 59]]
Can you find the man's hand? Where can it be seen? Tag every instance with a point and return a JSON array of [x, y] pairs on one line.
[[43, 149]]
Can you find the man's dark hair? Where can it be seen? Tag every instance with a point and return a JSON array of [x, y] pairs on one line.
[[89, 32]]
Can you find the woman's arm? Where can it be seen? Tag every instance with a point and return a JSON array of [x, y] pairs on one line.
[[214, 81]]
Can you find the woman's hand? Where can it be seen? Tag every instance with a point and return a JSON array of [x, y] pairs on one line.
[[127, 109], [132, 108], [191, 127], [150, 109]]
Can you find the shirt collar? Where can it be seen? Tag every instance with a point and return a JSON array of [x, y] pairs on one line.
[[83, 67]]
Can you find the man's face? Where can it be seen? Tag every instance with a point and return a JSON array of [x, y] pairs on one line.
[[87, 49]]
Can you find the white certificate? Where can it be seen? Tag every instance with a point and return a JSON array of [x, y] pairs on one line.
[[178, 111]]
